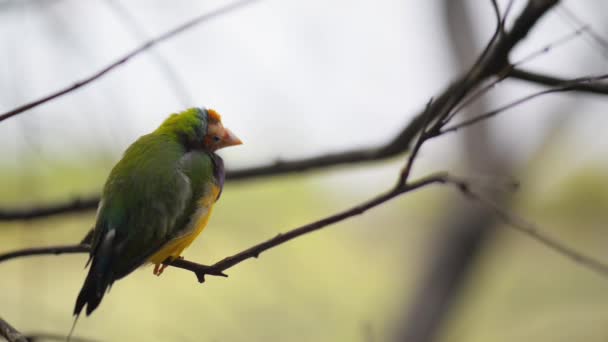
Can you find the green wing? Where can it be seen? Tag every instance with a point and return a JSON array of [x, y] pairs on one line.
[[145, 200]]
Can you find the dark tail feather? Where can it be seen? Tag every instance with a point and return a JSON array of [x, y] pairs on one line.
[[99, 279], [91, 293]]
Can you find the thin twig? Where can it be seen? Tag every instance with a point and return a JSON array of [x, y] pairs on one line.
[[422, 137], [508, 72], [176, 84], [500, 28], [567, 86], [543, 79], [11, 334], [595, 38], [559, 41], [530, 229], [143, 47], [506, 14]]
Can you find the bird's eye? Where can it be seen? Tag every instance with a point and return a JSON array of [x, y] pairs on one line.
[[216, 138]]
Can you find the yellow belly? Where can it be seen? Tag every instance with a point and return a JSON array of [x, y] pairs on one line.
[[174, 248]]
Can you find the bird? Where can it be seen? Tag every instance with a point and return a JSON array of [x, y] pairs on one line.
[[156, 200]]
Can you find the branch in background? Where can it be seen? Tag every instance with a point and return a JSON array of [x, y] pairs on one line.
[[480, 91], [568, 85], [41, 337], [11, 334], [176, 84], [145, 46], [72, 206], [542, 79], [56, 250], [531, 230]]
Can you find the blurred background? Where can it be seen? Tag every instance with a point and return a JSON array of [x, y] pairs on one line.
[[296, 79]]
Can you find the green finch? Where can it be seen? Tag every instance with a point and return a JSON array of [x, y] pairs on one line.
[[157, 200]]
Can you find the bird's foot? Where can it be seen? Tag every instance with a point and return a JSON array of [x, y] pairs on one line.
[[158, 269]]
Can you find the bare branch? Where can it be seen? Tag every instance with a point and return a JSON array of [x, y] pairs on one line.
[[508, 72], [566, 86], [38, 211], [595, 38], [11, 334], [176, 84], [145, 46], [542, 79], [40, 337], [422, 137], [531, 230], [56, 250], [560, 41]]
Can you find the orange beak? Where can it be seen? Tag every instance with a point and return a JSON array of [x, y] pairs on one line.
[[219, 136], [230, 139]]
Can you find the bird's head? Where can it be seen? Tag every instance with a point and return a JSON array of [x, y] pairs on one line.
[[199, 128]]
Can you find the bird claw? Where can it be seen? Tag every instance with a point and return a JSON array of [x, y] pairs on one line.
[[158, 269]]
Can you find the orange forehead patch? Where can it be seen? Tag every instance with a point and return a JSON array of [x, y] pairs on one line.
[[214, 116]]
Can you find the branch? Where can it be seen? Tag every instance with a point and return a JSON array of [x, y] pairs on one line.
[[531, 230], [38, 211], [568, 85], [56, 250], [40, 337], [11, 334], [143, 47], [507, 71], [542, 79], [176, 84]]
